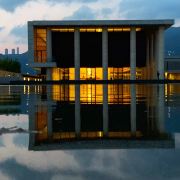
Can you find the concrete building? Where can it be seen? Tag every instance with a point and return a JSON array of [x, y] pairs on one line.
[[6, 51], [17, 50], [172, 67], [13, 51], [99, 50]]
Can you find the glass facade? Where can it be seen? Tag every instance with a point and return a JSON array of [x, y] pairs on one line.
[[40, 45], [91, 67], [87, 73]]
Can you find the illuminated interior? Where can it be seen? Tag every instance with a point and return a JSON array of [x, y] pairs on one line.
[[93, 93], [40, 49], [41, 122], [113, 29], [96, 73], [95, 135], [90, 95], [172, 76], [63, 93], [65, 69]]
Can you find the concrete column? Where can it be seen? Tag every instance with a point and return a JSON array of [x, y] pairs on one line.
[[77, 53], [49, 92], [30, 42], [133, 53], [105, 110], [77, 111], [160, 108], [105, 53], [160, 52], [48, 74], [49, 122], [133, 109], [49, 45], [32, 121]]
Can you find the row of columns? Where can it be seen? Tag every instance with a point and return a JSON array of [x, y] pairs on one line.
[[158, 106], [159, 115], [105, 110], [105, 53], [154, 54]]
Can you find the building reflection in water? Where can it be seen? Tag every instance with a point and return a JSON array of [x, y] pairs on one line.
[[99, 116]]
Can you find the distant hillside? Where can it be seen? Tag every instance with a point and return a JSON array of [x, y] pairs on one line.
[[172, 41]]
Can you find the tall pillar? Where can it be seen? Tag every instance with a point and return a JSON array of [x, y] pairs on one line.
[[49, 54], [105, 53], [32, 121], [160, 52], [77, 53], [49, 45], [133, 109], [160, 108], [49, 74], [105, 110], [133, 53], [31, 42], [77, 111], [49, 123]]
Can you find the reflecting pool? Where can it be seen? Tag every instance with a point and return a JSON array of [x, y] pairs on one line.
[[90, 131]]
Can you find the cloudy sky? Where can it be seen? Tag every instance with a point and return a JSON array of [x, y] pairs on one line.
[[14, 14]]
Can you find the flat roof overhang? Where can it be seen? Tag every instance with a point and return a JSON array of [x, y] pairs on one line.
[[104, 23]]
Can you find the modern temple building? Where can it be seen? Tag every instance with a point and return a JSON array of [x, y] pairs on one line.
[[98, 50]]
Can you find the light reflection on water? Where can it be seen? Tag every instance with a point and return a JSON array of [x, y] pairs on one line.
[[134, 127]]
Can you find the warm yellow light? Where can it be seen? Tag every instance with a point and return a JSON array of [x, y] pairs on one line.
[[138, 29], [110, 29], [118, 29], [90, 29], [99, 30], [126, 29], [63, 29], [100, 134], [89, 72], [166, 75], [82, 30]]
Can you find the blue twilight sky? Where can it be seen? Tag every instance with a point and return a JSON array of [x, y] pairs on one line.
[[14, 14]]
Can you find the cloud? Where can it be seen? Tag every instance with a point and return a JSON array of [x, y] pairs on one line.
[[141, 9], [10, 5], [18, 162], [82, 13], [14, 17]]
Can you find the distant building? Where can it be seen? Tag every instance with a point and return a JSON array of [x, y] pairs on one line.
[[17, 50], [13, 51], [6, 51]]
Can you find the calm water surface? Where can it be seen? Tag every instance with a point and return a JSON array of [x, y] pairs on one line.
[[90, 132]]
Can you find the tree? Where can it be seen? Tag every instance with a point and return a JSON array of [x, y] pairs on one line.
[[10, 65]]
